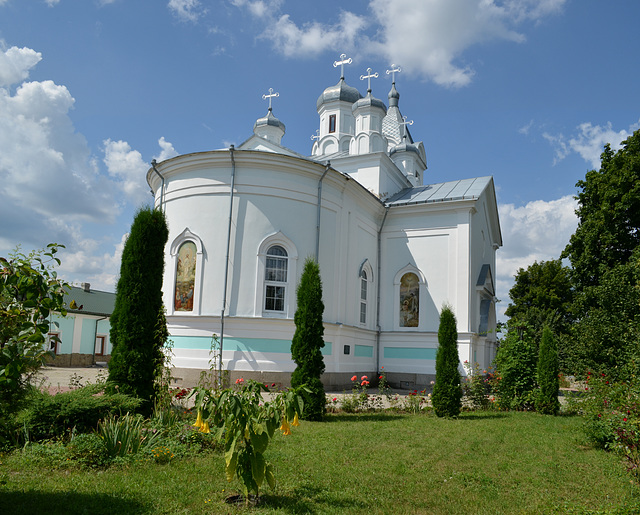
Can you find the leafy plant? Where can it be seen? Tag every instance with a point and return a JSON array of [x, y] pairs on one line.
[[477, 386], [248, 423], [30, 291], [88, 449], [126, 435]]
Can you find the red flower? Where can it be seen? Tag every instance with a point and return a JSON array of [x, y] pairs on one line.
[[588, 373], [354, 378], [599, 416], [624, 419], [239, 381], [365, 382], [364, 378], [273, 384], [380, 377], [335, 399]]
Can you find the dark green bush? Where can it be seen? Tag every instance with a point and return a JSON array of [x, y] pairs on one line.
[[548, 369], [447, 391], [48, 416], [88, 449]]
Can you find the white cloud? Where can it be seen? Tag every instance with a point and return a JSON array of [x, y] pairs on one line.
[[15, 64], [167, 150], [589, 141], [52, 3], [428, 38], [537, 231], [186, 10], [129, 168]]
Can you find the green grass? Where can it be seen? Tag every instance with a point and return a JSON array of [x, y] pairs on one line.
[[363, 463]]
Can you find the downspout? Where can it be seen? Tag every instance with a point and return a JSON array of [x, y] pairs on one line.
[[153, 165], [95, 337], [378, 329], [326, 169], [226, 263]]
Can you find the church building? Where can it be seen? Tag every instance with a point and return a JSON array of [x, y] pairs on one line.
[[392, 248]]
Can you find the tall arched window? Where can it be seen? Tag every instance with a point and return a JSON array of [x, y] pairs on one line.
[[275, 279], [363, 297], [185, 277], [409, 300]]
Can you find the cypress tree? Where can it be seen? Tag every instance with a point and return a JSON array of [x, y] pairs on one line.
[[137, 335], [308, 340], [447, 392], [548, 368]]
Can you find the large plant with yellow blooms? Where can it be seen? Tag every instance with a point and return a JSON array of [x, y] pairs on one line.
[[247, 422]]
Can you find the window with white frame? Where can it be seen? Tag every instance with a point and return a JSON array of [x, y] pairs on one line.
[[275, 278], [363, 297]]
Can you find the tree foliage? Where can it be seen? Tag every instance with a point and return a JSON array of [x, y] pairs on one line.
[[137, 332], [516, 367], [30, 290], [608, 215], [541, 296], [548, 370], [308, 341], [447, 390]]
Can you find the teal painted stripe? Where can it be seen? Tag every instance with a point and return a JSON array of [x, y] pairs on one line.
[[240, 344], [327, 349], [409, 353], [363, 351]]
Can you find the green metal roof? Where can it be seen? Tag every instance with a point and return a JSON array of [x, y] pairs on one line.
[[92, 302]]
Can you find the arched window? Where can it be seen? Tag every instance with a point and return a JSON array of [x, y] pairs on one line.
[[409, 300], [185, 277], [187, 254], [275, 278], [363, 297]]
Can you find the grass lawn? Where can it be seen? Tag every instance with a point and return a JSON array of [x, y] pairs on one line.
[[364, 463]]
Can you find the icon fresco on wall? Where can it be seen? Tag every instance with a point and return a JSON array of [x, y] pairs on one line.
[[409, 300], [185, 277]]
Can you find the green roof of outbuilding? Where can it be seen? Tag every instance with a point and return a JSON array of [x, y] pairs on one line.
[[92, 302]]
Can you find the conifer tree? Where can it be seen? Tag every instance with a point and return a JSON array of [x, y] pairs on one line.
[[137, 334], [308, 341], [447, 392], [548, 369]]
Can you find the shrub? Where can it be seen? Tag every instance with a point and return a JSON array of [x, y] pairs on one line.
[[477, 387], [447, 393], [48, 416], [516, 368], [88, 449], [548, 369]]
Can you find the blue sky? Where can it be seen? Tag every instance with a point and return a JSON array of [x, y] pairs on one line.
[[90, 91]]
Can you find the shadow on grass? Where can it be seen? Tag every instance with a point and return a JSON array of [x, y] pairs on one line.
[[67, 503], [311, 499], [361, 417]]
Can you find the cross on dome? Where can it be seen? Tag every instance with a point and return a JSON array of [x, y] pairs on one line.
[[404, 124], [316, 135], [343, 60], [270, 96], [368, 77], [394, 69]]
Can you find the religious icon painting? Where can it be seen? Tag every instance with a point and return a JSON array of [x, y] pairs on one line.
[[185, 277], [409, 300]]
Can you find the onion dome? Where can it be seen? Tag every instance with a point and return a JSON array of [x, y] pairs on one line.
[[268, 120], [394, 96], [405, 147], [369, 101], [341, 91]]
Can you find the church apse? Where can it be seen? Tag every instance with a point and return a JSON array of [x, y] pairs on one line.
[[185, 277]]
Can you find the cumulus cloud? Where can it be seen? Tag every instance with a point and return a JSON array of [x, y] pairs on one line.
[[537, 231], [167, 150], [428, 38], [589, 141], [186, 10], [15, 64]]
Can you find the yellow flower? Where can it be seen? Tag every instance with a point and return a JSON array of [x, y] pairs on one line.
[[198, 419], [205, 427], [295, 422], [286, 430]]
